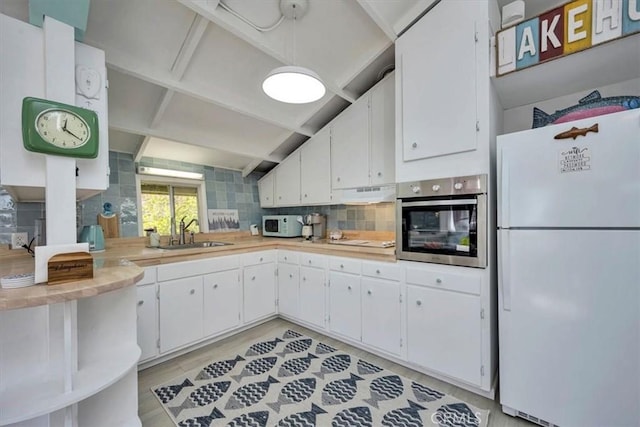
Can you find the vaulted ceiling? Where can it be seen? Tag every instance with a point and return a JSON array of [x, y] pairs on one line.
[[185, 76]]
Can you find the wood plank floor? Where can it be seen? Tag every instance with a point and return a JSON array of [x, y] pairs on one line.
[[152, 414]]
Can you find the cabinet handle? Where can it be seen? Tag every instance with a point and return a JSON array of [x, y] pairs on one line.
[[341, 265], [369, 291], [414, 145], [280, 197], [193, 291], [349, 287], [260, 259], [309, 261], [438, 280], [304, 279], [140, 303], [377, 271], [285, 258], [305, 195], [290, 276], [379, 173], [418, 302], [253, 278], [338, 179], [215, 286]]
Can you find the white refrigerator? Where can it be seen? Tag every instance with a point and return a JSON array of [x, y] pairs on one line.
[[569, 273]]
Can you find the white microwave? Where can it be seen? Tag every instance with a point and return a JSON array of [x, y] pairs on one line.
[[281, 226]]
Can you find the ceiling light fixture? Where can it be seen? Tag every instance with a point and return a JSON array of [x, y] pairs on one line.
[[146, 170], [293, 84]]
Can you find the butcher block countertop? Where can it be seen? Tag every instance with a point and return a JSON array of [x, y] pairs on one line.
[[119, 265]]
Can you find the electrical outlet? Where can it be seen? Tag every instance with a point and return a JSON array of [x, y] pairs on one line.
[[19, 239]]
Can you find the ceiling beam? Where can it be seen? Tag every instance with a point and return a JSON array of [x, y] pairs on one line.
[[386, 28], [250, 167], [198, 27], [130, 127], [140, 151], [162, 107], [413, 14], [131, 66], [251, 36]]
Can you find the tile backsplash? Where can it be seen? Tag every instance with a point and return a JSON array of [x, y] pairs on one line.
[[226, 189]]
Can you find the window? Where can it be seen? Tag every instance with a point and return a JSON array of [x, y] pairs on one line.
[[162, 200]]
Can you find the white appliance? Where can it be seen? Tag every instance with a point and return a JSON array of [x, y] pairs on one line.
[[569, 273], [281, 226]]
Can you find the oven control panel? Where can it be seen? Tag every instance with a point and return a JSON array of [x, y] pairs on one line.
[[472, 184]]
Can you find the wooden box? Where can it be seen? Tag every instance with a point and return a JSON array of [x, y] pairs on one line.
[[69, 267]]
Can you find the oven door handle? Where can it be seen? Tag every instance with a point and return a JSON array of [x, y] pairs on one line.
[[440, 203]]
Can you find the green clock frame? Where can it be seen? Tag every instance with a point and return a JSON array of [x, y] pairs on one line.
[[33, 107]]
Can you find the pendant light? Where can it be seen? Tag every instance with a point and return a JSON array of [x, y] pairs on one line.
[[293, 84]]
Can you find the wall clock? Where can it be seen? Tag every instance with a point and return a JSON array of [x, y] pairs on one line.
[[52, 127]]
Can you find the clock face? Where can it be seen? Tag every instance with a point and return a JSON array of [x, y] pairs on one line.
[[62, 128]]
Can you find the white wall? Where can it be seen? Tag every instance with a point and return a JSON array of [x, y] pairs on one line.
[[521, 118]]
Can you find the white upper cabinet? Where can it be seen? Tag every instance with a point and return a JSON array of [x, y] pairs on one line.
[[350, 146], [315, 169], [288, 181], [362, 140], [266, 190], [438, 81]]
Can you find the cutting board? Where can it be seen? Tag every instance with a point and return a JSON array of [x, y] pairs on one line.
[[110, 225]]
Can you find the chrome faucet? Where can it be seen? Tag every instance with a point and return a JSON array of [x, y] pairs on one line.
[[183, 229]]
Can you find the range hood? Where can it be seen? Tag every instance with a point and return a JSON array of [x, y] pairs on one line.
[[368, 195]]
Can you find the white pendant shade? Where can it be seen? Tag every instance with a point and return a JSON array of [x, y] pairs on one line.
[[294, 85]]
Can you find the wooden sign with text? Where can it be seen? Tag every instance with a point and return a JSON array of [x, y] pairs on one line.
[[570, 28], [69, 267]]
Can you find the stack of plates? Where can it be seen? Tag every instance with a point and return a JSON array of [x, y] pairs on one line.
[[16, 281]]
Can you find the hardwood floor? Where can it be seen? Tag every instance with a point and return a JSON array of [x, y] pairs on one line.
[[152, 414]]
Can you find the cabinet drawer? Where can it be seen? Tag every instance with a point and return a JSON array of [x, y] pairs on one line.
[[288, 257], [345, 265], [313, 260], [149, 276], [467, 283], [199, 267], [255, 258], [389, 271]]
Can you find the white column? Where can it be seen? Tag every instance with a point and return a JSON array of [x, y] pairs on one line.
[[60, 193]]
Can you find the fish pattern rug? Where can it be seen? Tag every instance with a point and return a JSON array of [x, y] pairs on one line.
[[295, 381]]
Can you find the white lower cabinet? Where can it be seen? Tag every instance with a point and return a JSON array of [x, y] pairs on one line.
[[288, 282], [221, 302], [259, 287], [444, 332], [147, 321], [381, 314], [312, 296], [180, 312], [344, 305]]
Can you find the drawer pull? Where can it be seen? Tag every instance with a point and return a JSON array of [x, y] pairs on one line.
[[260, 259], [418, 302], [192, 291], [379, 173], [285, 258], [215, 286], [341, 265], [349, 287], [304, 279], [414, 145], [290, 276], [309, 261], [140, 303], [369, 292], [253, 277], [438, 280], [377, 271]]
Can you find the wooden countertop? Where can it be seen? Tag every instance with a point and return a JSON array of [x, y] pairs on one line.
[[119, 265]]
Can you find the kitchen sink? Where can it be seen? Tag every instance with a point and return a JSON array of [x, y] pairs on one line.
[[196, 245]]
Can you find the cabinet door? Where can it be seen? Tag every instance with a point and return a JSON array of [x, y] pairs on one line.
[[439, 81], [383, 137], [180, 312], [350, 146], [221, 301], [288, 280], [381, 313], [444, 332], [315, 185], [259, 291], [288, 181], [265, 189], [344, 305], [147, 312], [312, 295]]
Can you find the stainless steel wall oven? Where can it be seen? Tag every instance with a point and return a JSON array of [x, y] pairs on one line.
[[443, 221]]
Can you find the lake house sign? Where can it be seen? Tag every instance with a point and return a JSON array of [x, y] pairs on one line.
[[569, 28]]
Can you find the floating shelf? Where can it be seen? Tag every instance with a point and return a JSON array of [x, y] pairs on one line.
[[609, 63]]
